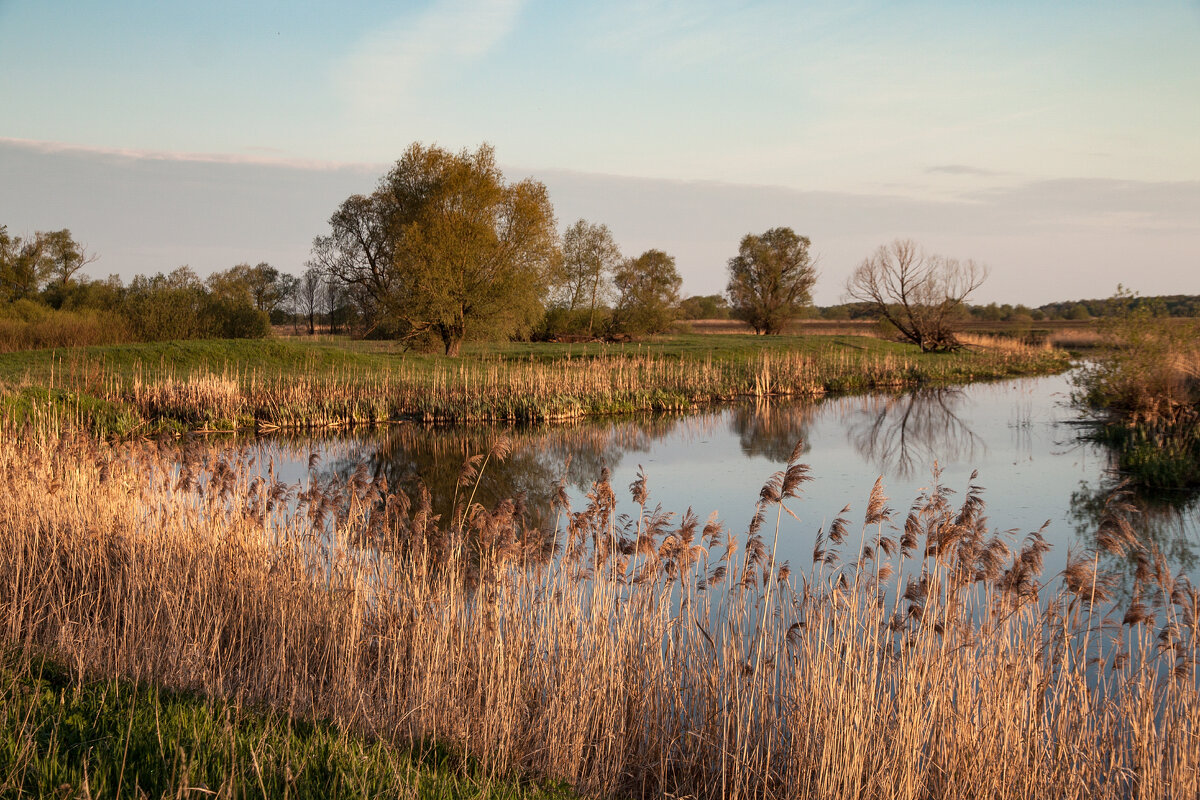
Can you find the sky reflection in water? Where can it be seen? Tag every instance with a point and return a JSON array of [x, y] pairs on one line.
[[1017, 434]]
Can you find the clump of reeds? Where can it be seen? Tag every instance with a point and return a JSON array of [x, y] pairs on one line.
[[629, 652], [198, 400], [502, 390], [1146, 390], [1004, 344]]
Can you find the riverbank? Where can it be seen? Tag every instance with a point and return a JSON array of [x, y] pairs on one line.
[[68, 735], [1144, 392], [297, 384], [625, 657]]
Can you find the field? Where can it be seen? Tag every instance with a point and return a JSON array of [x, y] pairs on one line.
[[298, 383], [1065, 334]]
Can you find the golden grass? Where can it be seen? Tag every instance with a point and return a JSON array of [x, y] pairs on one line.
[[311, 395], [47, 328], [1004, 344], [658, 655]]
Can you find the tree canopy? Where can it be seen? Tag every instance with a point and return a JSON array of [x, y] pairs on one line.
[[29, 264], [444, 247], [771, 279], [590, 256], [648, 293]]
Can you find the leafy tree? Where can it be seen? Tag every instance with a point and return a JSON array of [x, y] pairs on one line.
[[29, 264], [648, 294], [164, 307], [262, 286], [231, 285], [268, 287], [445, 247], [771, 279], [921, 295], [180, 306], [589, 258], [286, 306], [709, 306]]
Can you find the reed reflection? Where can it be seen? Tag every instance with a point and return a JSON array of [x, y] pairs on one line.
[[904, 434], [1165, 523]]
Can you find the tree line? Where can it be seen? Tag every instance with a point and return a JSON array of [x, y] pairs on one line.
[[445, 250]]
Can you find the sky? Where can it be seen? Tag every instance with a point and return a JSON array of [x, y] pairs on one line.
[[1055, 142]]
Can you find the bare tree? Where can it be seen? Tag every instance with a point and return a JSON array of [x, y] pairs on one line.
[[333, 295], [921, 295], [309, 294]]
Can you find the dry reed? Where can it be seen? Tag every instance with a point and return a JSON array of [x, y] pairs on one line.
[[486, 389], [918, 656]]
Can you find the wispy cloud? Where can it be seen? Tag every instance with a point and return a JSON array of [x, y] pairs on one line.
[[389, 62], [961, 169], [140, 154]]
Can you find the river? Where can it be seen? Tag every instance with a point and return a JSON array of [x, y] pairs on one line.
[[1021, 437]]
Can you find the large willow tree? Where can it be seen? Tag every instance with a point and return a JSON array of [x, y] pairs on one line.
[[444, 247], [771, 279]]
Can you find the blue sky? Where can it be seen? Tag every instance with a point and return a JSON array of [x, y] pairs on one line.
[[1057, 142]]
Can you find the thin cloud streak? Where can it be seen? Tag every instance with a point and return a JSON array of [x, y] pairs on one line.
[[961, 169], [387, 64], [138, 154]]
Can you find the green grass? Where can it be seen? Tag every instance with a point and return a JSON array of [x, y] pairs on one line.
[[222, 385], [300, 357], [109, 738]]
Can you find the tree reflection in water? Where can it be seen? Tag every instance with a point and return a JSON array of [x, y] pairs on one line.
[[540, 456], [901, 434], [771, 430]]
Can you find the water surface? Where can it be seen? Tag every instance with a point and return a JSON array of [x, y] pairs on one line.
[[1020, 435]]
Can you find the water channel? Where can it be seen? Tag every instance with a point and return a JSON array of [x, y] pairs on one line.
[[1021, 436]]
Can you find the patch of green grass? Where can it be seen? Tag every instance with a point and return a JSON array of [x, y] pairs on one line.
[[299, 383], [109, 738], [37, 405], [153, 358], [1155, 456]]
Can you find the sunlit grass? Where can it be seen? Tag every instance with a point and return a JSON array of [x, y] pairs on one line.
[[66, 735], [273, 384]]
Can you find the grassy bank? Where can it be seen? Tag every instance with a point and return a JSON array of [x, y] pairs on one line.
[[1145, 392], [297, 384], [919, 655], [68, 736]]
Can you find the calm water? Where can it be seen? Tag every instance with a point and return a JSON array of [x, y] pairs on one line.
[[1018, 434]]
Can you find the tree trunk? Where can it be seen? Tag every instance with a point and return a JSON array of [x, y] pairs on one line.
[[452, 338]]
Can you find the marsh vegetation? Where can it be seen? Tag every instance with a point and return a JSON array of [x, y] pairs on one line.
[[287, 384], [611, 644]]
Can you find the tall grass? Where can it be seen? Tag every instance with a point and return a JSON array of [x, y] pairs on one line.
[[27, 326], [310, 393], [1146, 389], [917, 656]]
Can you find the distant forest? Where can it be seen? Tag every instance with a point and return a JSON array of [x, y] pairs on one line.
[[1173, 305]]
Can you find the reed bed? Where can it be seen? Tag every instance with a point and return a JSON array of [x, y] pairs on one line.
[[311, 395], [919, 655], [1145, 391]]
